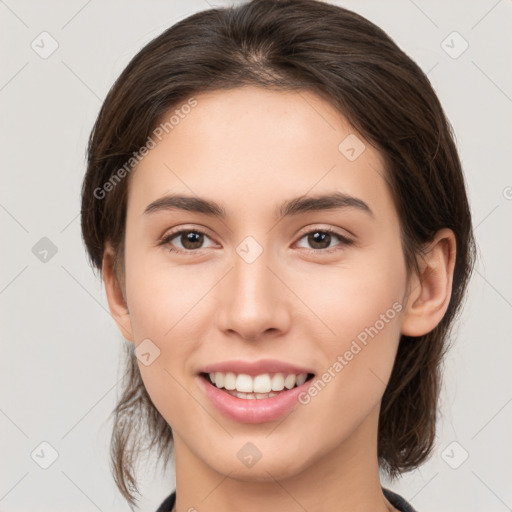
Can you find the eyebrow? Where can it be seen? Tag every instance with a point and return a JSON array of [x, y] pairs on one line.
[[296, 206]]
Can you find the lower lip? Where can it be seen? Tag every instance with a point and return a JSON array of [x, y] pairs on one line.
[[255, 410]]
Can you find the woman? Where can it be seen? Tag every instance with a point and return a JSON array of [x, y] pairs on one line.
[[277, 208]]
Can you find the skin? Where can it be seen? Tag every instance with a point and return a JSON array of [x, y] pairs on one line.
[[251, 149]]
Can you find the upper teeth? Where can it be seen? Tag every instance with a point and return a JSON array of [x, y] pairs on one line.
[[259, 384]]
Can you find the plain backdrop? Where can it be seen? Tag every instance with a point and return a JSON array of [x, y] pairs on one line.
[[60, 352]]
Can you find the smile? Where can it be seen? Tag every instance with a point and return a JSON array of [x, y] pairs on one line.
[[253, 399], [256, 387]]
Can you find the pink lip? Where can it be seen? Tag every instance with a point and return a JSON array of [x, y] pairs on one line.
[[252, 411], [255, 367]]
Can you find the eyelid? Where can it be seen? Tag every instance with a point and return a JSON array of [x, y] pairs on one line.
[[327, 229]]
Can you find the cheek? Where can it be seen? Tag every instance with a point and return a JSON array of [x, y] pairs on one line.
[[162, 295], [361, 306], [352, 296], [166, 304], [162, 306]]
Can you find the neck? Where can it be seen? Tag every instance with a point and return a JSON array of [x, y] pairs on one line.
[[344, 478]]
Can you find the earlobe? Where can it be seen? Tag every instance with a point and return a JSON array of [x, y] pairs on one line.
[[115, 296], [430, 291]]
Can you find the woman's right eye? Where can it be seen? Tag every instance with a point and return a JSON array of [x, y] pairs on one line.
[[190, 239]]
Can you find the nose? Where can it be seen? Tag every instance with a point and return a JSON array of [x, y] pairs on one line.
[[252, 301]]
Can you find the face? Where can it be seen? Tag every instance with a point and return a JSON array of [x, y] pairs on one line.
[[270, 287]]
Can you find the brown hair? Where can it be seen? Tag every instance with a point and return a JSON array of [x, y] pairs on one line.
[[339, 55]]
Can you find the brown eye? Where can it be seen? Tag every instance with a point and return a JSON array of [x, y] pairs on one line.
[[186, 240], [191, 239], [321, 239]]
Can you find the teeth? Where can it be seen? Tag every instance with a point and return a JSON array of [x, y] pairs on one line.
[[301, 379], [219, 380], [243, 383], [290, 381], [260, 384], [230, 381], [252, 396], [277, 382]]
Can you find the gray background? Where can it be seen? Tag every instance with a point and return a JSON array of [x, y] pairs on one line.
[[60, 348]]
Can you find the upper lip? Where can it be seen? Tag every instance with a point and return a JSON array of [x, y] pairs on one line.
[[255, 367]]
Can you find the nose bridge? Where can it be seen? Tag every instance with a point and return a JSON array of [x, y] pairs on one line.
[[250, 296], [252, 288]]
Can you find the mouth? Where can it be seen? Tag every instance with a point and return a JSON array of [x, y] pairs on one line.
[[254, 399], [254, 391], [256, 387]]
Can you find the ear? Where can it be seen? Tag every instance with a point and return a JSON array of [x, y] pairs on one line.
[[115, 294], [430, 291]]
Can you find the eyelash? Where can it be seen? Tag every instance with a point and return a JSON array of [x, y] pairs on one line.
[[165, 240]]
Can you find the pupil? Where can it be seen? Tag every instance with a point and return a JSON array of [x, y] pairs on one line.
[[320, 238], [192, 240]]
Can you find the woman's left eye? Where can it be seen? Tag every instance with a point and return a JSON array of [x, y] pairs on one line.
[[193, 239], [322, 238]]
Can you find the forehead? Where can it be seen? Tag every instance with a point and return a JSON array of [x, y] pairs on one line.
[[252, 142]]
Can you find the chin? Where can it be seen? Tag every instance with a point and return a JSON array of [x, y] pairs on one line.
[[270, 466]]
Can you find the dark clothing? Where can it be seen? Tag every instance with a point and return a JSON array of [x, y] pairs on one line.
[[395, 499]]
